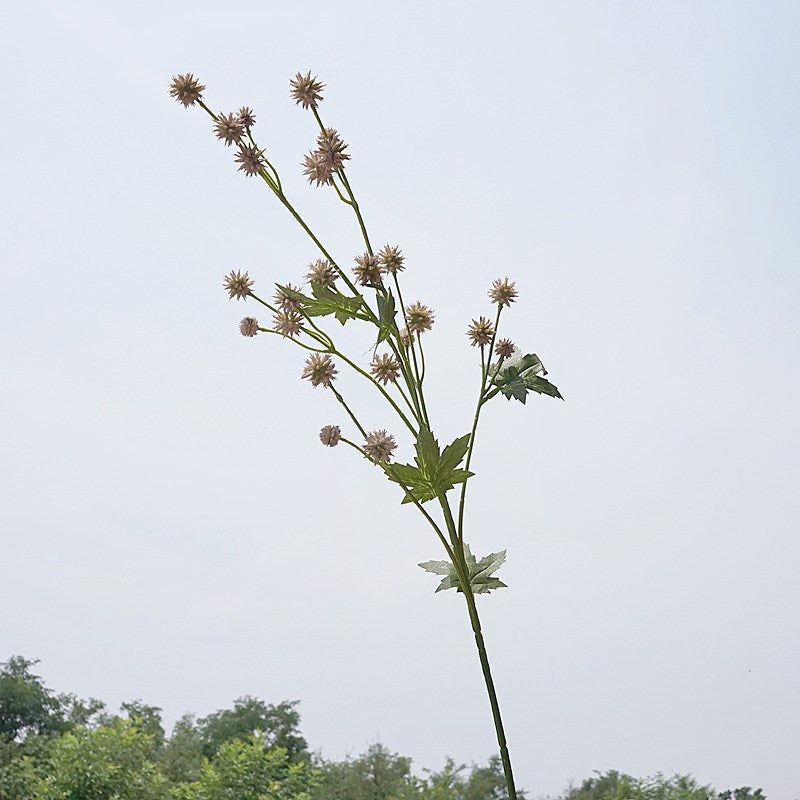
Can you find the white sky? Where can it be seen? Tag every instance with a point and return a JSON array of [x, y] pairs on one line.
[[172, 529]]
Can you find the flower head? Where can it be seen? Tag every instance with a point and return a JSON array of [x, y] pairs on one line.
[[391, 260], [229, 128], [320, 370], [481, 331], [405, 336], [368, 270], [330, 435], [317, 169], [385, 368], [238, 285], [419, 318], [186, 89], [289, 323], [306, 91], [246, 117], [248, 157], [249, 326], [502, 292], [379, 446], [322, 272], [285, 300], [504, 348], [331, 147]]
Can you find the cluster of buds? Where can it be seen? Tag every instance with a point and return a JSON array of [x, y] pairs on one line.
[[320, 165]]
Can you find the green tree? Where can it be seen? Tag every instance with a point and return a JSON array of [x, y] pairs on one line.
[[182, 756], [278, 725], [250, 770]]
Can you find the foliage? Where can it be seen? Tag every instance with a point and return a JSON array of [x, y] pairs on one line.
[[480, 572]]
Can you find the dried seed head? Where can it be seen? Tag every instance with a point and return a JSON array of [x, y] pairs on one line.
[[322, 272], [419, 318], [289, 323], [285, 301], [391, 259], [186, 89], [238, 285], [481, 331], [368, 270], [249, 326], [504, 348], [330, 435], [246, 117], [229, 128], [248, 157], [385, 368], [503, 292], [306, 91], [320, 370], [330, 148], [317, 169], [379, 446]]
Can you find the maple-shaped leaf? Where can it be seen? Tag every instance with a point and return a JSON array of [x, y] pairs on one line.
[[435, 472], [518, 379], [328, 301], [480, 572]]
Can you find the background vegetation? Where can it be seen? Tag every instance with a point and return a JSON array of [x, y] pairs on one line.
[[61, 747]]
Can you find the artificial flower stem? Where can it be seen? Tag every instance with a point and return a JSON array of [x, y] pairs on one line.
[[352, 417]]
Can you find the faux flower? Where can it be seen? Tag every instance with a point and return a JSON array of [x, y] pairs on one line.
[[186, 89], [229, 128], [330, 435], [248, 157], [391, 259], [504, 348], [379, 446], [249, 326], [480, 332], [289, 323], [238, 285], [322, 272], [367, 270], [419, 318], [385, 368], [502, 292], [306, 91], [320, 370]]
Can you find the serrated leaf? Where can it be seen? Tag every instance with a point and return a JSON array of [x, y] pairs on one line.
[[541, 385], [514, 385], [480, 572], [386, 315], [327, 301]]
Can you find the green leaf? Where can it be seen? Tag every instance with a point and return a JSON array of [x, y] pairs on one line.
[[541, 385], [435, 473], [386, 315], [480, 572], [327, 301], [527, 375], [514, 385]]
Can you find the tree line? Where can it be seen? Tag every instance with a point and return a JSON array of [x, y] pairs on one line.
[[61, 747]]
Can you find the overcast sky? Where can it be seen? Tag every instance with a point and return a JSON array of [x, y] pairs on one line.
[[172, 528]]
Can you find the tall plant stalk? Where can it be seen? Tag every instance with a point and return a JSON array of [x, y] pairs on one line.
[[397, 373]]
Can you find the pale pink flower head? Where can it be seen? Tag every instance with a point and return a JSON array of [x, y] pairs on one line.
[[331, 149], [246, 117], [248, 157], [285, 301], [480, 331], [385, 368], [379, 446], [186, 89], [305, 90], [229, 128], [368, 270], [322, 272], [419, 318], [320, 370], [289, 323], [248, 326], [502, 292], [238, 284], [504, 348], [317, 169], [391, 260], [330, 435]]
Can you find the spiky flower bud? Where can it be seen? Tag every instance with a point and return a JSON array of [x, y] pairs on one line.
[[330, 435], [391, 260], [248, 157], [306, 91], [330, 148], [320, 370], [367, 270], [405, 336], [419, 318], [285, 301], [238, 285], [249, 326], [246, 117], [186, 89], [385, 368], [289, 323], [480, 332], [379, 446], [229, 128], [502, 292], [504, 348], [322, 272], [317, 169]]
